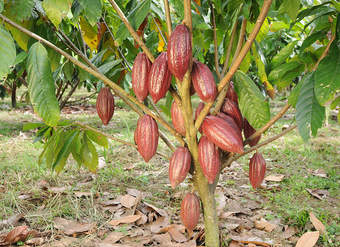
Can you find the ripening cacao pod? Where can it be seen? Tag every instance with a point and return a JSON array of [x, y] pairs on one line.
[[177, 118], [230, 120], [105, 105], [222, 134], [197, 113], [257, 170], [179, 166], [203, 81], [209, 158], [190, 211], [146, 137], [159, 78], [249, 131], [179, 51], [230, 108], [140, 76], [231, 94]]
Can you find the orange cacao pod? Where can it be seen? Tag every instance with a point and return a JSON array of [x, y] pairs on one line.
[[230, 120], [222, 134], [231, 94], [197, 113], [140, 75], [179, 166], [177, 118], [190, 211], [230, 108], [159, 78], [257, 170], [105, 105], [209, 158], [249, 131], [179, 51], [203, 81], [146, 137]]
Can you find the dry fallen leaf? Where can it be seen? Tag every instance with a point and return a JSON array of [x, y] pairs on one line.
[[289, 232], [35, 241], [176, 232], [128, 201], [320, 194], [64, 242], [262, 224], [160, 223], [113, 237], [125, 220], [234, 244], [274, 178], [57, 190], [20, 233], [317, 223], [12, 221], [253, 240], [163, 239], [70, 227], [143, 218], [308, 239], [320, 173]]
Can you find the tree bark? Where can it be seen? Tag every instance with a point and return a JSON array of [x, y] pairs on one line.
[[14, 94]]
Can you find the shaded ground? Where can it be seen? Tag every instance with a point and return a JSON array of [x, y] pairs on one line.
[[77, 208]]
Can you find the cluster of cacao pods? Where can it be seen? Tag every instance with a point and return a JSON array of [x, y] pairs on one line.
[[105, 105]]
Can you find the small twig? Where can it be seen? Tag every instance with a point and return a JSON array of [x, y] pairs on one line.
[[325, 52], [83, 41], [230, 46], [168, 17], [68, 96], [240, 39], [159, 30], [217, 65]]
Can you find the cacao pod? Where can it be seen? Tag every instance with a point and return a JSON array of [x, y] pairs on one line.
[[230, 108], [230, 120], [146, 137], [105, 105], [179, 167], [140, 76], [190, 211], [177, 118], [231, 94], [159, 78], [203, 81], [257, 170], [209, 158], [222, 134], [249, 131], [179, 51], [197, 113]]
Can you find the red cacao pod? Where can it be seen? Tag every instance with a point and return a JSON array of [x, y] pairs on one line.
[[105, 105], [230, 120], [159, 78], [230, 108], [179, 166], [203, 81], [249, 131], [222, 134], [146, 137], [197, 113], [209, 158], [190, 211], [177, 118], [231, 94], [179, 51], [140, 76], [257, 170]]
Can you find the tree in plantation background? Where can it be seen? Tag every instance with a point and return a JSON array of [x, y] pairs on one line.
[[233, 55]]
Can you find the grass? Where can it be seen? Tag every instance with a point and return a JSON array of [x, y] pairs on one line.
[[20, 175]]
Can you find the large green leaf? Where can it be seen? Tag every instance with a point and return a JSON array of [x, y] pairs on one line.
[[1, 5], [327, 76], [277, 73], [309, 113], [7, 51], [282, 56], [92, 9], [136, 17], [56, 10], [89, 154], [312, 38], [41, 85], [98, 138], [252, 103], [20, 9], [294, 95], [291, 7]]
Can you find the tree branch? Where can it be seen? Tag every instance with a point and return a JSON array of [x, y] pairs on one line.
[[240, 39], [168, 16], [225, 81], [187, 14], [230, 46], [118, 90], [217, 65]]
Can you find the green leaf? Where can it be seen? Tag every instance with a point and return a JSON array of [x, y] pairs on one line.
[[335, 103], [250, 95], [1, 5], [7, 51], [277, 73], [56, 10], [30, 126], [20, 57], [65, 151], [244, 66], [98, 138], [136, 17], [41, 85], [327, 76], [75, 149], [312, 38], [293, 97], [309, 113], [291, 7], [20, 9], [89, 154], [92, 9], [282, 56]]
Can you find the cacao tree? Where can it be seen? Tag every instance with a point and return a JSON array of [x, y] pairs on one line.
[[222, 51]]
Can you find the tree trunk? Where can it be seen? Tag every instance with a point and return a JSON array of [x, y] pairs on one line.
[[14, 94]]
